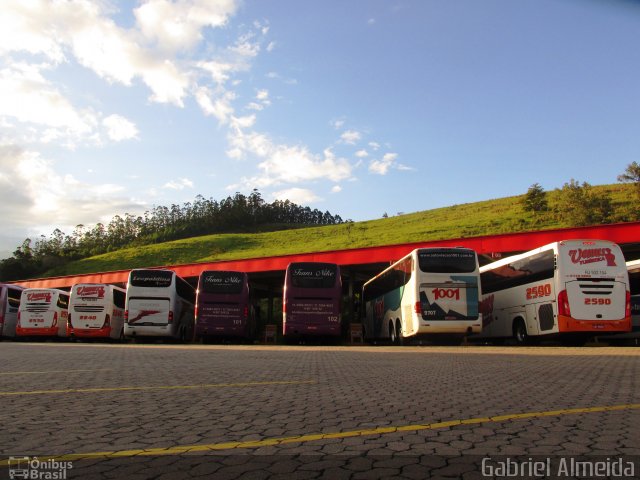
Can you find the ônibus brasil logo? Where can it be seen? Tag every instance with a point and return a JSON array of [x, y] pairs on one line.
[[592, 255]]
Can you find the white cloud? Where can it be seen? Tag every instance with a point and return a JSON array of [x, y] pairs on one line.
[[262, 95], [301, 196], [33, 192], [374, 146], [177, 25], [219, 106], [119, 128], [351, 137], [336, 189], [381, 167], [179, 184], [362, 153], [29, 98]]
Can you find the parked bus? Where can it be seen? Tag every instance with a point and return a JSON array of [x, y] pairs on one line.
[[159, 304], [43, 312], [223, 305], [9, 303], [97, 311], [633, 337], [572, 288], [633, 268], [311, 300], [431, 292]]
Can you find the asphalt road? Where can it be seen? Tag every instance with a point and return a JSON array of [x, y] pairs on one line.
[[232, 412]]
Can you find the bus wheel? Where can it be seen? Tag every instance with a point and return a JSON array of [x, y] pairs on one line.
[[392, 334], [399, 339], [520, 332], [121, 336]]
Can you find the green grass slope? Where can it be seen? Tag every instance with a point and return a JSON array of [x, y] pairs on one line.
[[504, 215]]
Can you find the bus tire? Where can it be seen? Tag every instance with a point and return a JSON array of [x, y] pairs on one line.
[[520, 332], [392, 333], [399, 338]]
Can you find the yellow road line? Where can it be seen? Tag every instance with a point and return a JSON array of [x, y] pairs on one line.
[[177, 450], [56, 371], [161, 387]]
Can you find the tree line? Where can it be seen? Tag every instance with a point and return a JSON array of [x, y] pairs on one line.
[[160, 224], [579, 204]]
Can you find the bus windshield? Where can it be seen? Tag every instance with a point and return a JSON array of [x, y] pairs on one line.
[[222, 282], [313, 275], [447, 260], [151, 278]]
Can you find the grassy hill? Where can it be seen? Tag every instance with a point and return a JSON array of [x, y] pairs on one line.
[[504, 215]]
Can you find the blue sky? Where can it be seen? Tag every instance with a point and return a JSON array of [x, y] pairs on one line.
[[360, 108]]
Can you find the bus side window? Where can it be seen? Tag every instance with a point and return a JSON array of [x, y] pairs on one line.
[[119, 298], [63, 301]]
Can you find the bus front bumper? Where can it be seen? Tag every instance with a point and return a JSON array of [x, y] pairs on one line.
[[92, 332], [568, 324]]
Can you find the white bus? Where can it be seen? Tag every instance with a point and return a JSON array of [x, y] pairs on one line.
[[9, 303], [432, 291], [633, 268], [97, 311], [159, 304], [633, 337], [573, 289], [43, 312]]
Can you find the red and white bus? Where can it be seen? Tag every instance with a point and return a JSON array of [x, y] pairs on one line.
[[9, 303], [223, 305], [97, 311], [311, 301], [633, 268], [159, 304], [43, 312], [572, 288]]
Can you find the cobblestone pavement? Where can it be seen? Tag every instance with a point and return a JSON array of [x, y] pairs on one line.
[[146, 411]]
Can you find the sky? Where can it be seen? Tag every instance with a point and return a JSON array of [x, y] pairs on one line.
[[360, 108]]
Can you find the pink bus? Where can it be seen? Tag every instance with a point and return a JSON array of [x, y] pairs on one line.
[[311, 301], [223, 305]]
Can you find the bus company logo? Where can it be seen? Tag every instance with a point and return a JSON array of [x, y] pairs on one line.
[[226, 280], [325, 272], [592, 255], [91, 291], [39, 297], [486, 309], [452, 293], [33, 468], [146, 278]]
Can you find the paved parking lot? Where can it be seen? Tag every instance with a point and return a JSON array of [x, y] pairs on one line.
[[168, 411]]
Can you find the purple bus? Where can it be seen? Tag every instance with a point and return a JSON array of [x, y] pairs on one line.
[[223, 307], [311, 299]]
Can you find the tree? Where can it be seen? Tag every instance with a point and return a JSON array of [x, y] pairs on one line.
[[580, 205], [632, 175], [535, 200]]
